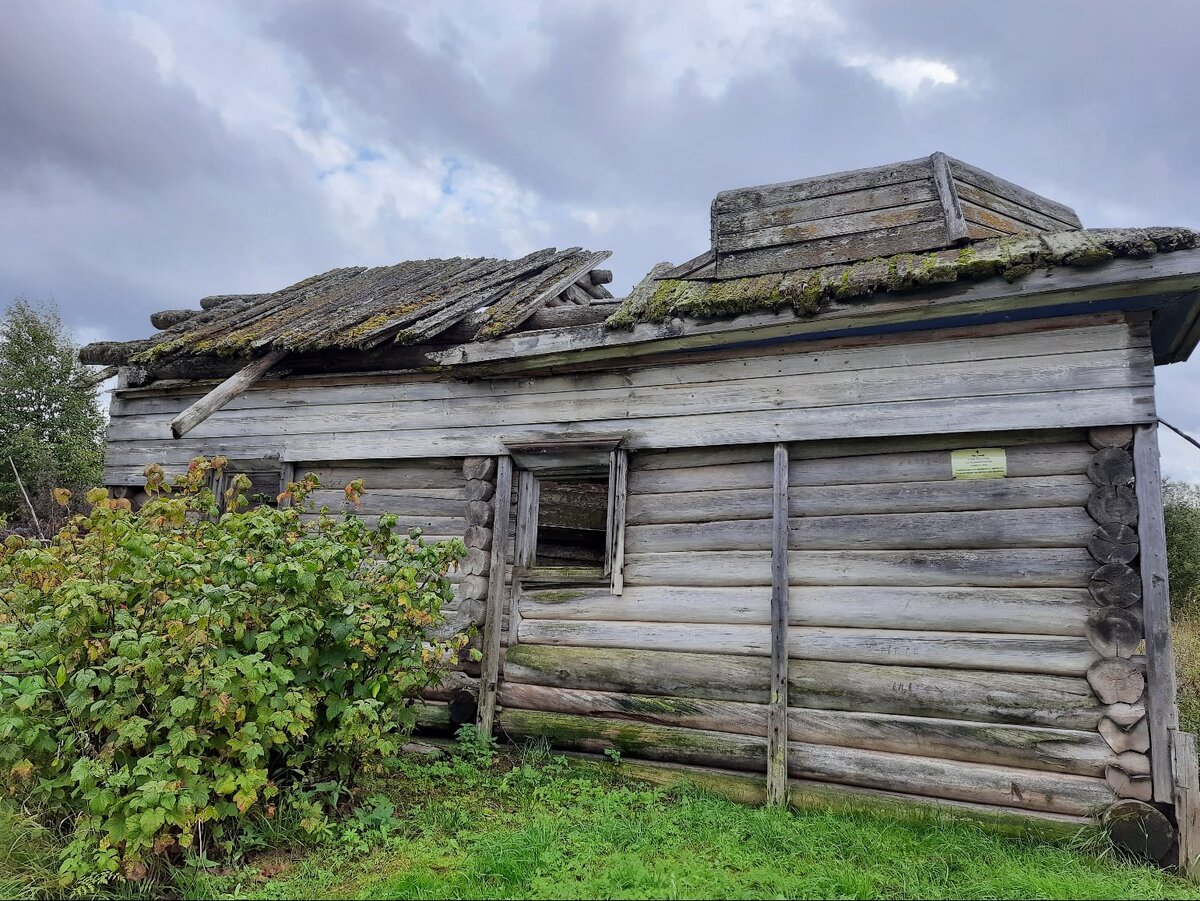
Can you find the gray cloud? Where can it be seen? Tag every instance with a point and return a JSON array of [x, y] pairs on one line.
[[150, 155]]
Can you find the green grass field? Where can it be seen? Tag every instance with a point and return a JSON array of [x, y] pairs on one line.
[[535, 827]]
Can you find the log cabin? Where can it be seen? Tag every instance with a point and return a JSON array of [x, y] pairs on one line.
[[862, 502]]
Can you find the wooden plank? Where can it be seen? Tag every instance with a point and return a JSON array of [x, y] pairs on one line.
[[1187, 801], [945, 496], [1057, 792], [777, 740], [1058, 655], [903, 193], [947, 194], [617, 519], [527, 519], [1049, 337], [490, 668], [798, 232], [1032, 567], [1039, 527], [1163, 716], [1029, 747], [1013, 375], [236, 384], [934, 465], [438, 474], [1067, 408], [1062, 702], [1014, 193], [881, 242], [791, 192], [1028, 220], [1122, 278], [1053, 611], [418, 502]]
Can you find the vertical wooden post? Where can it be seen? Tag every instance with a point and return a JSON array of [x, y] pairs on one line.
[[1161, 713], [777, 711], [618, 477], [1187, 801], [287, 475], [489, 676]]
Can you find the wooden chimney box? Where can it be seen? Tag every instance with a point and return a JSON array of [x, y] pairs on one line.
[[924, 204]]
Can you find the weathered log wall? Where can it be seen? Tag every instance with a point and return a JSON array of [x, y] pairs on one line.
[[941, 631], [1044, 375]]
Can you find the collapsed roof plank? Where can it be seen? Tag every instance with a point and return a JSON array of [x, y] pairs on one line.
[[224, 393]]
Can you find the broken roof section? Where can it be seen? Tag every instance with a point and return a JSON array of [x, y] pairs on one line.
[[361, 308]]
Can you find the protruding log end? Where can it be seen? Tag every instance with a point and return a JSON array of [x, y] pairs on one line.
[[1140, 829], [1113, 542], [1111, 466], [1116, 680], [1117, 585], [165, 319], [1111, 436]]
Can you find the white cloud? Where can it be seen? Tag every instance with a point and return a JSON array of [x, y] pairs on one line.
[[906, 75]]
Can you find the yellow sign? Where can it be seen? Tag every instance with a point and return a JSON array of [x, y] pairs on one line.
[[979, 463]]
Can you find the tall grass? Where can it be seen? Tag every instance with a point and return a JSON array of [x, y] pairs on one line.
[[1181, 508]]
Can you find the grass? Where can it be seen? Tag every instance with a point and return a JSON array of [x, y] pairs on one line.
[[542, 829], [1185, 634]]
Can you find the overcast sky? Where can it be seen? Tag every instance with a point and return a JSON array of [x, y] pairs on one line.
[[151, 154]]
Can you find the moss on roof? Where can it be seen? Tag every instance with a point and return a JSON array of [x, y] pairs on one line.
[[805, 291]]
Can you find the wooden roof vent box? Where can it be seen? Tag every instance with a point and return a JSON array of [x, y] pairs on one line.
[[930, 203]]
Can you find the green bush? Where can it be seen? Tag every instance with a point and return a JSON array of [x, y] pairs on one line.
[[166, 674], [1181, 510]]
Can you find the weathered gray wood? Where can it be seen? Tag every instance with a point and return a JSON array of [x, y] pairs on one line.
[[1114, 631], [617, 519], [478, 536], [999, 187], [975, 695], [1030, 747], [479, 467], [1111, 466], [1139, 828], [1128, 785], [1059, 792], [496, 596], [223, 393], [884, 241], [777, 738], [473, 588], [790, 192], [1125, 715], [1187, 800], [1111, 436], [527, 519], [1033, 567], [1156, 611], [1053, 611], [1116, 584], [480, 489], [952, 212], [1113, 503], [407, 502], [1116, 680], [1060, 655], [1113, 542], [1000, 215], [934, 465], [479, 513], [413, 474], [798, 232], [899, 194], [938, 497], [1121, 739]]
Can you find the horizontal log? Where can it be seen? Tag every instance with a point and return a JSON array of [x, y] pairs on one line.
[[1034, 567], [934, 465], [1039, 527], [408, 502], [1053, 611], [705, 505], [1058, 750], [981, 783], [1055, 701], [1057, 655], [394, 475]]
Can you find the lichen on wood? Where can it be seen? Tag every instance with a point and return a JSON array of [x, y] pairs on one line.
[[805, 292]]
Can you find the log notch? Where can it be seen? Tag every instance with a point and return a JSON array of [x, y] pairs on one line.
[[480, 475], [1114, 626]]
